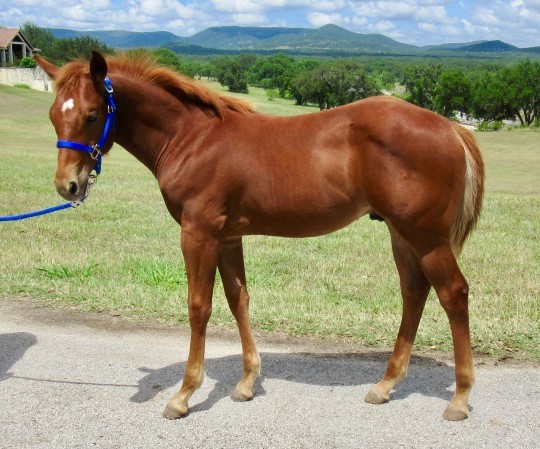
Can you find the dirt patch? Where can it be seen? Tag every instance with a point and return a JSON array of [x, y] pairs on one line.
[[31, 309]]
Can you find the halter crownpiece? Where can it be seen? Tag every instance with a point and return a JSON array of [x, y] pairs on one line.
[[95, 150]]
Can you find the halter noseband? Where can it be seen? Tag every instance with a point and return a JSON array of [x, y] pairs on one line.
[[95, 150]]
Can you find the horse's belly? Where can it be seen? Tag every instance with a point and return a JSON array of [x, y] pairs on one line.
[[305, 222]]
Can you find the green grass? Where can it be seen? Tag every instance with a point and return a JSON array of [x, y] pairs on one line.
[[258, 97], [120, 251]]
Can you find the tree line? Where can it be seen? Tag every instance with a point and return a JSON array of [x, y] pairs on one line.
[[59, 50], [489, 93], [510, 92]]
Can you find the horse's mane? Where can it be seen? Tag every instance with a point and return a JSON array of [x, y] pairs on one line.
[[142, 67]]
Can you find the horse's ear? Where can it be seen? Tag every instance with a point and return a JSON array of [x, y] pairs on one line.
[[48, 68], [98, 67]]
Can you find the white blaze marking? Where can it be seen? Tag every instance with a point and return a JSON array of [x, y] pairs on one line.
[[69, 104]]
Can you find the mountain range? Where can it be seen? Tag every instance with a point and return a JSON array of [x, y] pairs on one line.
[[329, 39]]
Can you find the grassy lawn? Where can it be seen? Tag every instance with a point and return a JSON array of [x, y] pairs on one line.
[[120, 251]]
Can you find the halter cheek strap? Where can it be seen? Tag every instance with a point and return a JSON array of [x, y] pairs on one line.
[[95, 150]]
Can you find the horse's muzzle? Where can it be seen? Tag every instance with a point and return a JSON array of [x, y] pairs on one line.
[[70, 190]]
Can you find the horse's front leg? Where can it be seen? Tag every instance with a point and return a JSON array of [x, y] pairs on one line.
[[231, 268], [200, 255]]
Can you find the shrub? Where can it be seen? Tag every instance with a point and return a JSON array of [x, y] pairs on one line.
[[272, 94], [490, 126], [27, 63]]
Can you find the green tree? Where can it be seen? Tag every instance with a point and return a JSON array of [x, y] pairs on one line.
[[202, 68], [169, 58], [61, 50], [232, 73], [452, 93], [332, 84], [522, 82], [301, 85], [385, 79], [307, 86], [272, 72], [489, 100], [420, 82], [65, 49], [38, 37], [346, 81]]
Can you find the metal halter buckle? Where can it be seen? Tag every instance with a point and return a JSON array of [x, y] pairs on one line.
[[96, 152]]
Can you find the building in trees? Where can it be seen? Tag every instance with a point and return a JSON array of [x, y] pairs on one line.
[[14, 46]]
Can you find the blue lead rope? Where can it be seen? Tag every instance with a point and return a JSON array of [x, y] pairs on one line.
[[36, 213]]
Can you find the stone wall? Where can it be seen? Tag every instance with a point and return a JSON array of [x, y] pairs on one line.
[[35, 78]]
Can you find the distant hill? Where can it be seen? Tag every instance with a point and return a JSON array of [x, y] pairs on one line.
[[326, 40], [237, 38], [489, 47], [450, 46], [121, 39]]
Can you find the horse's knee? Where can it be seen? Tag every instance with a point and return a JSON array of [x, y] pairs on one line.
[[199, 313]]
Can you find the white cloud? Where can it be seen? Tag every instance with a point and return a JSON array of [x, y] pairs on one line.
[[152, 7], [384, 9], [327, 5], [164, 8], [318, 19], [382, 27], [96, 5], [359, 21], [257, 6], [238, 6], [249, 19], [432, 14], [486, 17], [420, 22]]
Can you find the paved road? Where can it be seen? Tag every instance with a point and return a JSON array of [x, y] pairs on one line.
[[72, 380]]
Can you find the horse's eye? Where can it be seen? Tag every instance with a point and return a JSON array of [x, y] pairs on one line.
[[91, 118]]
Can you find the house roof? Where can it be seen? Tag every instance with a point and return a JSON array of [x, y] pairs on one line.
[[8, 34]]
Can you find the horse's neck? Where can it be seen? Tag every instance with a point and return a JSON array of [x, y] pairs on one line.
[[149, 119]]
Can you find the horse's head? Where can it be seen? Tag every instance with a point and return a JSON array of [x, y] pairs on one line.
[[79, 115]]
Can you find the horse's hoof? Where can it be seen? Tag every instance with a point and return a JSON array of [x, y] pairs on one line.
[[238, 396], [452, 414], [174, 412], [373, 397]]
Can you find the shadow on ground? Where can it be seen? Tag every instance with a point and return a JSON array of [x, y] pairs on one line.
[[427, 376], [12, 349]]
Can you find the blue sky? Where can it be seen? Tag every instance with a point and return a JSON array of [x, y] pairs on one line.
[[421, 22]]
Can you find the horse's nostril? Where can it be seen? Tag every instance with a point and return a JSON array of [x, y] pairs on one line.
[[73, 188]]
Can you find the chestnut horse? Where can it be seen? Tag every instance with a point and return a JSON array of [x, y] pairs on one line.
[[226, 171]]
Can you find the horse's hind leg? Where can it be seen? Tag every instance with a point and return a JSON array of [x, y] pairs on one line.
[[231, 269], [414, 290], [435, 265], [440, 267]]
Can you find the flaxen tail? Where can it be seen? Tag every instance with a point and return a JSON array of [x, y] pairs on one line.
[[467, 217]]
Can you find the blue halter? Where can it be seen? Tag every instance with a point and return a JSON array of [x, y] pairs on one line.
[[95, 150]]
